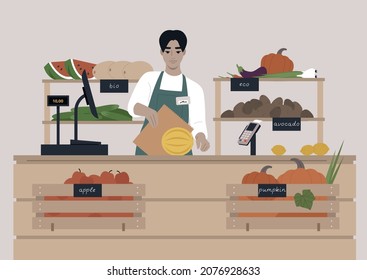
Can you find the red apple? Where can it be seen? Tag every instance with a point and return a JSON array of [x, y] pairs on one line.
[[86, 180], [96, 179], [107, 177], [122, 178], [77, 175]]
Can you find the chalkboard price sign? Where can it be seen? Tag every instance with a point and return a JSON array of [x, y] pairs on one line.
[[286, 124], [57, 100], [87, 190], [242, 84], [272, 190], [114, 86]]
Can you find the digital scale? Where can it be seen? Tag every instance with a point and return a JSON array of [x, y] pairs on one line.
[[76, 146]]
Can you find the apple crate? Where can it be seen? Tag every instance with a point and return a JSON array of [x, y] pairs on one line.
[[88, 206], [249, 207]]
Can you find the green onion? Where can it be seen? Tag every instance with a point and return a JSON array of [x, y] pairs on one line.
[[334, 167]]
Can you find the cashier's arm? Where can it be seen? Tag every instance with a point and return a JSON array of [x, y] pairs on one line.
[[150, 114]]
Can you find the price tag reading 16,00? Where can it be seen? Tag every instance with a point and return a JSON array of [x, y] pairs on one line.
[[58, 100]]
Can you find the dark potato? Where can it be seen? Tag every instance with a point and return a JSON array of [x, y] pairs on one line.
[[306, 114], [227, 114], [275, 112]]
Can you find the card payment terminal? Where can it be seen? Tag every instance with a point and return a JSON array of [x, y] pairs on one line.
[[249, 132]]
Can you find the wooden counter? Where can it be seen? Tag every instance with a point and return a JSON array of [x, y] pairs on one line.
[[184, 210]]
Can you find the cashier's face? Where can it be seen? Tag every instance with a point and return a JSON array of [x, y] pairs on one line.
[[173, 55]]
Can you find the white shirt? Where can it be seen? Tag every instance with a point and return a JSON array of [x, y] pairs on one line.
[[144, 89]]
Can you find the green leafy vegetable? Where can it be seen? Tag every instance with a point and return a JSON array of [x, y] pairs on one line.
[[334, 167], [305, 199]]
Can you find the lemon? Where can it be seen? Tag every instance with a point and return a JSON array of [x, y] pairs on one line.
[[278, 150], [307, 150], [320, 149]]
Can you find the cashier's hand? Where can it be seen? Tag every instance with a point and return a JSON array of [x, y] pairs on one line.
[[150, 114], [201, 142]]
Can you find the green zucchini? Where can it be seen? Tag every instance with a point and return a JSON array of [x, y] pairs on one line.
[[64, 116], [85, 109], [292, 74], [117, 115]]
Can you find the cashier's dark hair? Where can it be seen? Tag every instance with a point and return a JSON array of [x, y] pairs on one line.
[[170, 35]]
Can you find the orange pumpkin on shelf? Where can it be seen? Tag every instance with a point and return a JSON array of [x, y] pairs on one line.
[[301, 175], [259, 177], [277, 63]]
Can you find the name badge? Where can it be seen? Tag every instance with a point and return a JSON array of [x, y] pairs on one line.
[[183, 100]]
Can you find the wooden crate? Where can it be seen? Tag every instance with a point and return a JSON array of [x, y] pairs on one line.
[[249, 211], [119, 207]]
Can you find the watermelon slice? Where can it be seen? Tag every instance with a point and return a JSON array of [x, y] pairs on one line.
[[75, 68], [56, 70]]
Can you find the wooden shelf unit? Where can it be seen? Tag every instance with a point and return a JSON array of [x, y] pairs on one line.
[[47, 122], [218, 107]]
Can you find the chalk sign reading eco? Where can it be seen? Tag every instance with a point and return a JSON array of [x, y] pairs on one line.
[[244, 84]]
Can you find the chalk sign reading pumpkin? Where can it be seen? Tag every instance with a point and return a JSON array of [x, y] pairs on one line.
[[272, 190]]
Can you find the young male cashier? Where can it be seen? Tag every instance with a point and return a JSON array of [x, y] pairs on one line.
[[158, 88]]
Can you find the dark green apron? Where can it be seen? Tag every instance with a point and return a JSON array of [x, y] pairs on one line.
[[167, 97]]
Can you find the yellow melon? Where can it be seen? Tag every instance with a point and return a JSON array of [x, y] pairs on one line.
[[177, 141]]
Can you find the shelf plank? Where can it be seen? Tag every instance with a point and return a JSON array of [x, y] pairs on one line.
[[276, 79], [92, 81], [262, 119], [95, 122]]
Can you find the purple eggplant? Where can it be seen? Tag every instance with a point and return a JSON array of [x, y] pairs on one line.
[[256, 73]]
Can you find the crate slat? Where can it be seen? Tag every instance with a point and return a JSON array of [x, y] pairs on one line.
[[235, 206], [88, 206], [88, 223], [283, 223], [292, 189], [107, 190]]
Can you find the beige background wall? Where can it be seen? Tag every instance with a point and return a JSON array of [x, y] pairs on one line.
[[325, 35]]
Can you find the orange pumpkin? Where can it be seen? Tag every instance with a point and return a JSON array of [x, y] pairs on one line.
[[259, 177], [277, 63], [301, 175]]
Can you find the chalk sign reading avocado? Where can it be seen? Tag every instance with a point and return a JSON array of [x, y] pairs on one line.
[[244, 84], [272, 190], [286, 124], [87, 190], [114, 86]]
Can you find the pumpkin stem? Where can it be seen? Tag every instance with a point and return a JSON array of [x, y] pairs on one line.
[[299, 163], [281, 50], [265, 168]]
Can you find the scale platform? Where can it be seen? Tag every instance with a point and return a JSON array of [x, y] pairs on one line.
[[66, 149]]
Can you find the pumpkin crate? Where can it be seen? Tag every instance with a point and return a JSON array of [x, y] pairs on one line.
[[248, 209], [88, 206]]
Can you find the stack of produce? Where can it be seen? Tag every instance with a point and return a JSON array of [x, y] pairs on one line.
[[70, 69], [263, 108], [110, 112], [121, 70], [106, 177], [275, 65]]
